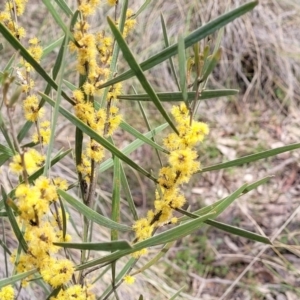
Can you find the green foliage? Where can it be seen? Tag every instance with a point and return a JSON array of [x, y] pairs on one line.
[[192, 90]]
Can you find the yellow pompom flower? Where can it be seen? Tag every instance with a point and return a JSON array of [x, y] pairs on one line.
[[60, 183], [129, 279], [4, 16], [78, 95], [167, 177], [7, 293], [76, 292], [33, 161], [138, 254], [95, 151], [47, 189], [89, 88], [57, 272], [31, 108], [129, 22], [24, 263], [30, 204], [40, 240], [143, 229], [45, 133], [183, 160]]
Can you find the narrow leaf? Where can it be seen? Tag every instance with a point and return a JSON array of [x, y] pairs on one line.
[[127, 192], [13, 222], [56, 107], [251, 158], [162, 238], [7, 151], [138, 72], [191, 39], [110, 246], [56, 17], [48, 49], [64, 218], [224, 204], [27, 56], [177, 96], [115, 209], [14, 279], [91, 214], [132, 146], [64, 7], [238, 231], [90, 132], [182, 68], [125, 126], [3, 159], [211, 62], [142, 8], [211, 207], [177, 293], [167, 44]]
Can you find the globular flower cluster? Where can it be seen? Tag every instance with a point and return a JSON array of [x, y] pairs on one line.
[[41, 231], [31, 107], [36, 203], [43, 135], [182, 164], [75, 292], [7, 293], [94, 52], [35, 50], [12, 7], [32, 110], [31, 160], [130, 22]]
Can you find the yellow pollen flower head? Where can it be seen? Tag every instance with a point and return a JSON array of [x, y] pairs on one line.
[[7, 293], [33, 160], [129, 279], [57, 272]]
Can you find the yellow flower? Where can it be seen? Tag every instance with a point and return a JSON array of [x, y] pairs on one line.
[[112, 2], [34, 41], [129, 279], [46, 188], [31, 108], [76, 292], [78, 95], [183, 160], [143, 229], [95, 151], [174, 220], [89, 88], [4, 16], [30, 204], [40, 240], [7, 293], [57, 272], [180, 113], [129, 23], [25, 263], [44, 136], [138, 254], [60, 183], [33, 161]]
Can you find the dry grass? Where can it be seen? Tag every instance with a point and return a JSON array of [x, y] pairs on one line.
[[261, 58]]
